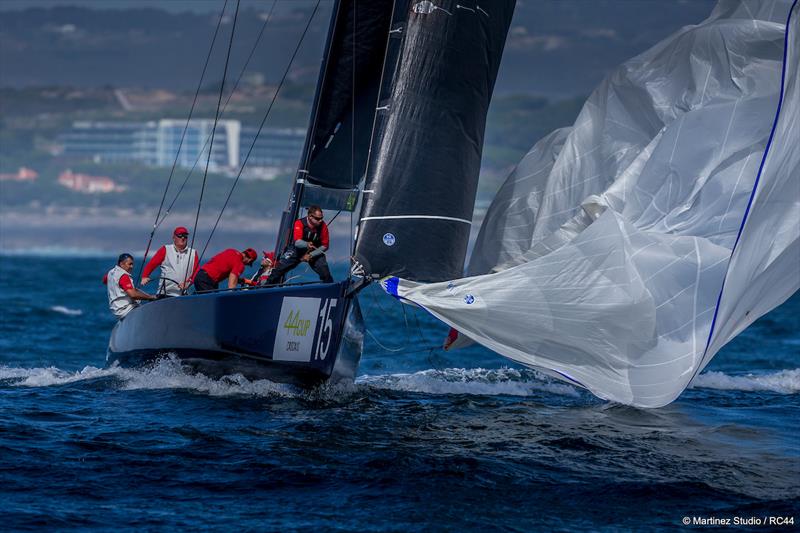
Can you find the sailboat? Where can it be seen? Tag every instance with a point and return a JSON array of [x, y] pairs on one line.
[[619, 256], [397, 121]]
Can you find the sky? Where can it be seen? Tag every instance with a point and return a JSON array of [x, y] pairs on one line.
[[177, 6]]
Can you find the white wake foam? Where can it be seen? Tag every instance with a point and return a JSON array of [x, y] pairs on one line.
[[66, 310], [169, 374], [165, 374], [784, 381], [45, 377], [478, 381]]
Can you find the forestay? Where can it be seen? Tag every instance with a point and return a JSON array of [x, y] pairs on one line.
[[622, 253]]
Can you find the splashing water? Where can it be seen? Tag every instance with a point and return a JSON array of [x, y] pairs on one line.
[[169, 373], [166, 373], [479, 381], [783, 382]]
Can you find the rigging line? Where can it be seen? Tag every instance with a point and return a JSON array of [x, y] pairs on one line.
[[260, 127], [213, 132], [183, 136], [423, 340], [399, 349], [224, 108], [374, 338], [419, 328], [377, 304], [429, 349], [353, 122], [334, 217]]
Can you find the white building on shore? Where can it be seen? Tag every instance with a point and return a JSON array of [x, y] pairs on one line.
[[156, 143]]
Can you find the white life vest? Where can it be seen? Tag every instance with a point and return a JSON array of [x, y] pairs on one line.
[[175, 268], [119, 302]]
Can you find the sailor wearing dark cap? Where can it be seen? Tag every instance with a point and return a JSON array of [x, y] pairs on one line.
[[122, 295], [174, 260], [228, 264]]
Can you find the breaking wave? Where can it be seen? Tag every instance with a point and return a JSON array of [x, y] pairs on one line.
[[479, 381], [66, 310], [168, 373], [784, 381]]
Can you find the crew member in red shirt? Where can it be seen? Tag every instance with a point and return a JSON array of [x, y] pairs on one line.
[[174, 260], [311, 240], [122, 295], [228, 264], [262, 275]]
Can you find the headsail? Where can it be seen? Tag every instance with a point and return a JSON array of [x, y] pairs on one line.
[[339, 137], [337, 144], [627, 250], [422, 175]]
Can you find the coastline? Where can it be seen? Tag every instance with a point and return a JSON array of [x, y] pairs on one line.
[[106, 231]]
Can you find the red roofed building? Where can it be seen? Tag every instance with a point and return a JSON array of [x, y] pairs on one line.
[[88, 184], [23, 174]]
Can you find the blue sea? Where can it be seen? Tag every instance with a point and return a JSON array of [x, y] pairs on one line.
[[423, 441]]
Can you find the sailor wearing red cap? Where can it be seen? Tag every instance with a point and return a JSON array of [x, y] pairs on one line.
[[261, 277], [267, 264], [228, 264], [174, 260]]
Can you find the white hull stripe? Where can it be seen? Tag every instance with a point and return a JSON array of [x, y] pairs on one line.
[[434, 217]]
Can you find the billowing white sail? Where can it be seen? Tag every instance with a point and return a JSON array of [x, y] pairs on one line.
[[622, 253]]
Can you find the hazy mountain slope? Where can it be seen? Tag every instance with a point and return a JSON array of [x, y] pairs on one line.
[[555, 48]]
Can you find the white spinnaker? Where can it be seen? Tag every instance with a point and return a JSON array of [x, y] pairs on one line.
[[602, 258]]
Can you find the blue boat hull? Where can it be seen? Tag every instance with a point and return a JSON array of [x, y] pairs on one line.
[[303, 335]]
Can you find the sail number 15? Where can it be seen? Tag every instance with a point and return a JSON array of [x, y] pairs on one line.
[[325, 330]]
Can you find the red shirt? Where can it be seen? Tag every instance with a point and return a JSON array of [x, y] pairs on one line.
[[125, 282], [159, 258], [223, 264], [322, 229]]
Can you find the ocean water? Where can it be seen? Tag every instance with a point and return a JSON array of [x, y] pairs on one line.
[[424, 440]]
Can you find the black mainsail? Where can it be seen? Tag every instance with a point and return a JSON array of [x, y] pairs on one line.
[[422, 175]]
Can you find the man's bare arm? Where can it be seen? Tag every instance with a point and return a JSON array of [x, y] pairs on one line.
[[136, 294]]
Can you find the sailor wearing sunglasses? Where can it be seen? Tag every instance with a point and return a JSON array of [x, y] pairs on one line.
[[174, 260], [311, 241]]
